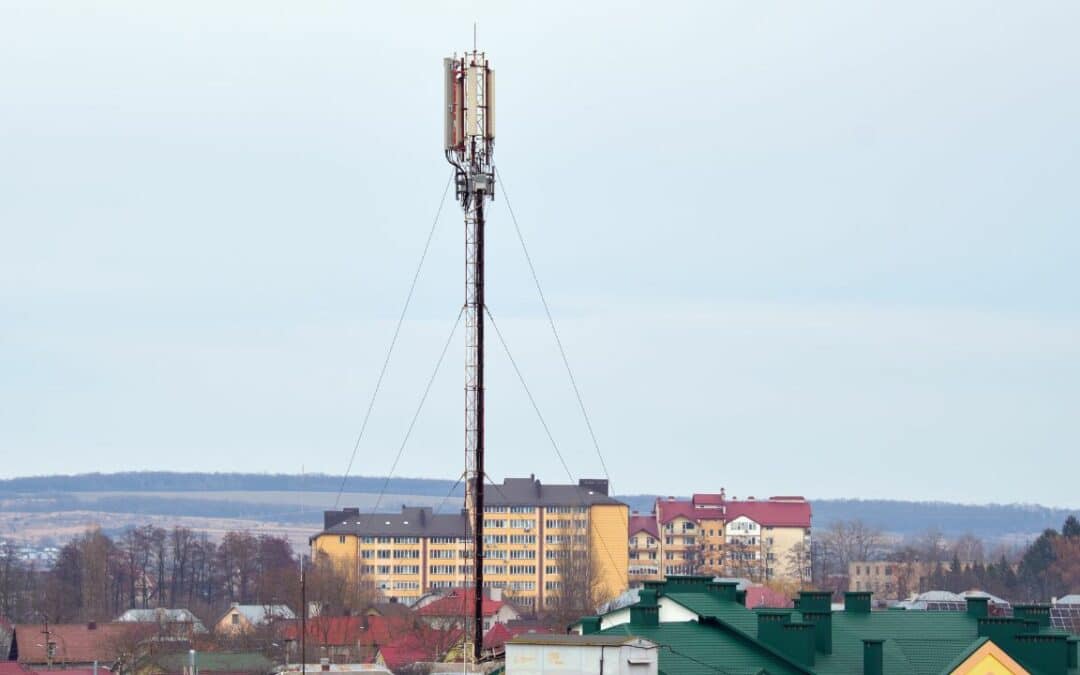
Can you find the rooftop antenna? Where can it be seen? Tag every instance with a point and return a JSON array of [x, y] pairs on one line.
[[469, 141]]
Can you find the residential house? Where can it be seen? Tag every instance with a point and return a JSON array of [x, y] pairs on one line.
[[171, 624], [245, 618], [76, 645], [705, 629], [457, 608]]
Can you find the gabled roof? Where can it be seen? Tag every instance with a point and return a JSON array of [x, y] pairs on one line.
[[763, 596], [458, 604], [771, 513], [724, 638], [78, 642], [161, 615], [261, 614], [668, 510], [335, 631], [645, 524]]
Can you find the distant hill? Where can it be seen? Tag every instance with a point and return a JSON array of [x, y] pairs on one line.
[[168, 481], [288, 498]]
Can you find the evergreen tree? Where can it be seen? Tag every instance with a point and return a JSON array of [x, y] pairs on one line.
[[1035, 565], [1071, 528]]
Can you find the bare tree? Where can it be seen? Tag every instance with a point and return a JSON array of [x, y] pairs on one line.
[[580, 589]]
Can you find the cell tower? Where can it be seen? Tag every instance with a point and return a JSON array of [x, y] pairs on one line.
[[469, 139]]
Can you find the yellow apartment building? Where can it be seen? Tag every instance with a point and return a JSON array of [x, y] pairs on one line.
[[532, 533]]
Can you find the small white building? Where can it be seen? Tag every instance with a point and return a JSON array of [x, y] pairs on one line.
[[539, 654]]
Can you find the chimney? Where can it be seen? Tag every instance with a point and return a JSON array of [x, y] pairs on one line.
[[873, 657], [1049, 653], [798, 642], [92, 625], [646, 612], [590, 625], [815, 601], [1040, 613], [724, 589], [822, 622], [978, 608], [770, 625], [740, 597], [857, 602]]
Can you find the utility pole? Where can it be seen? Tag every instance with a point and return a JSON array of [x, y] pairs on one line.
[[303, 617], [469, 135]]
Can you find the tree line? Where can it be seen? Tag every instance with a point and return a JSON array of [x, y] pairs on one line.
[[97, 578], [1048, 567]]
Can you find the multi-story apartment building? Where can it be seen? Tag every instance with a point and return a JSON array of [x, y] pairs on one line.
[[766, 539], [536, 540]]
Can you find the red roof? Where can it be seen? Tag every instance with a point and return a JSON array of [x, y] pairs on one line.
[[78, 643], [12, 668], [500, 633], [670, 509], [334, 631], [771, 513], [459, 604], [423, 643], [763, 596], [708, 500], [644, 524]]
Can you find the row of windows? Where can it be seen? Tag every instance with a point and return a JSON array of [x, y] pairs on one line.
[[556, 539], [406, 569]]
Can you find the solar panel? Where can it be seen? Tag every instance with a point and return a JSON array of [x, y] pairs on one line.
[[1066, 617], [946, 606]]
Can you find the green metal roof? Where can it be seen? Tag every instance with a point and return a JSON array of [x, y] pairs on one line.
[[725, 641]]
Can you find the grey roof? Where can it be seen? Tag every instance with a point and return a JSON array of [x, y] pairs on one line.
[[531, 492], [595, 639], [261, 614], [163, 615], [413, 521], [416, 521]]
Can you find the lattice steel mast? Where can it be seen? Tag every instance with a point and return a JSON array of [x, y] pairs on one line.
[[469, 136]]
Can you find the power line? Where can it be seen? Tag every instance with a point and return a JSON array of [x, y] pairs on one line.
[[554, 331], [543, 423], [416, 415], [393, 340]]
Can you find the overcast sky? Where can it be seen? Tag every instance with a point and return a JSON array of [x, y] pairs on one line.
[[792, 248]]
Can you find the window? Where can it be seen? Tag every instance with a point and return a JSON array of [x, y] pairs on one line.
[[406, 569], [384, 569], [406, 540], [529, 554], [494, 554], [384, 553], [521, 509], [384, 540], [341, 539], [557, 539], [494, 523], [407, 553], [523, 539], [494, 538], [551, 569], [522, 569], [235, 619], [522, 523], [552, 585], [442, 554]]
